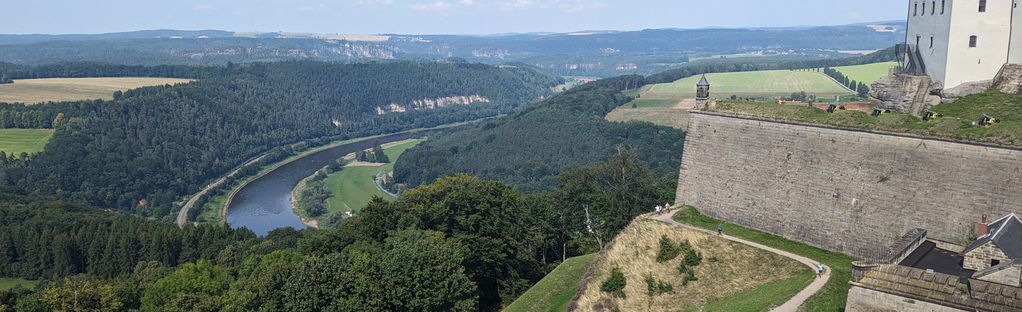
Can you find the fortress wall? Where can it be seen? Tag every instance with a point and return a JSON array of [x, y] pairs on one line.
[[850, 191]]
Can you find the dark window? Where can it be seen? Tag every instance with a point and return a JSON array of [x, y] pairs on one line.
[[933, 8], [943, 4], [973, 40], [995, 262], [915, 12], [924, 8], [982, 5], [931, 42], [917, 40]]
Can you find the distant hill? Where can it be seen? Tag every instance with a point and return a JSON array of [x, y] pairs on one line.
[[585, 53]]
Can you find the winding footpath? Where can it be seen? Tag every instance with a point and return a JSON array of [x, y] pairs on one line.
[[792, 304]]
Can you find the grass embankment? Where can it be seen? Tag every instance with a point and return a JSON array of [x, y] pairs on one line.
[[771, 83], [957, 122], [833, 295], [867, 73], [727, 270], [33, 91], [555, 291], [10, 283], [17, 141], [354, 186]]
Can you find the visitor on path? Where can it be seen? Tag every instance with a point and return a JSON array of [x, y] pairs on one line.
[[720, 229], [658, 209], [820, 270]]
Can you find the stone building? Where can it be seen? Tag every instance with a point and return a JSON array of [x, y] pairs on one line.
[[922, 274]]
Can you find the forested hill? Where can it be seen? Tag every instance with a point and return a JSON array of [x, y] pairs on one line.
[[531, 148], [159, 143]]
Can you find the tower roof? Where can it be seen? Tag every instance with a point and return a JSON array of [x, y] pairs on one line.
[[703, 82]]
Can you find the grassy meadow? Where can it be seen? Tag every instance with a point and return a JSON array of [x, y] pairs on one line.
[[956, 123], [9, 283], [662, 116], [17, 141], [554, 292], [353, 187], [867, 73], [772, 83], [727, 270], [833, 295], [33, 91]]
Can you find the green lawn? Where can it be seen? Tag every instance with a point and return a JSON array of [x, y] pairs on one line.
[[771, 83], [833, 295], [9, 283], [956, 123], [16, 141], [651, 103], [764, 297], [867, 73], [555, 291], [353, 187]]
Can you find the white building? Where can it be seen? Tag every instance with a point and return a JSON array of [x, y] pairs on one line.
[[961, 41]]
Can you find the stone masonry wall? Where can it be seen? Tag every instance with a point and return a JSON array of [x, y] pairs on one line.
[[867, 300], [844, 190], [979, 259], [1011, 276]]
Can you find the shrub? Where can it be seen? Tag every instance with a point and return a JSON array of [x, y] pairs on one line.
[[654, 287], [615, 283], [668, 250]]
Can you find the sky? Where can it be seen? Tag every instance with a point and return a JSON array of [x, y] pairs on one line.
[[430, 16]]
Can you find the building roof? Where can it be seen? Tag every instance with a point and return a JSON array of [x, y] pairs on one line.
[[703, 82], [1006, 234], [943, 289], [929, 257]]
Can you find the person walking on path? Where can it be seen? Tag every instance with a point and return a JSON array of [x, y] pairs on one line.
[[820, 270], [658, 210], [720, 229]]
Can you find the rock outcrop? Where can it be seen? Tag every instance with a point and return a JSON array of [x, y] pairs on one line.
[[1009, 79], [906, 93], [965, 89]]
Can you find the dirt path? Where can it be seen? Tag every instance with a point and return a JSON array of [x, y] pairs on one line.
[[792, 304], [182, 216]]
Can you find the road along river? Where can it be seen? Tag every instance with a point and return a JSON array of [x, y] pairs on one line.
[[265, 204]]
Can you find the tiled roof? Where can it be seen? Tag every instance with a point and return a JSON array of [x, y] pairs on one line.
[[1006, 234], [942, 289]]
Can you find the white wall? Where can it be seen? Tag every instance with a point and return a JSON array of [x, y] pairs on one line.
[[993, 29], [1015, 52], [936, 25]]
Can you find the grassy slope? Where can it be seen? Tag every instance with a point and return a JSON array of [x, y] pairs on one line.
[[750, 84], [728, 270], [353, 187], [555, 291], [956, 123], [867, 73], [833, 295], [16, 141], [71, 89], [9, 283]]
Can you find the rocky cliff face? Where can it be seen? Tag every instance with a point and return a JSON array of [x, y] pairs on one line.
[[431, 103], [906, 93]]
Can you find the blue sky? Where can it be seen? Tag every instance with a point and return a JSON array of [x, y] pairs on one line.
[[431, 16]]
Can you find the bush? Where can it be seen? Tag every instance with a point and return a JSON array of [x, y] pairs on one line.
[[655, 287], [691, 260], [668, 250], [616, 283]]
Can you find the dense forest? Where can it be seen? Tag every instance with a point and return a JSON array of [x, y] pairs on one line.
[[530, 149], [460, 244], [150, 146]]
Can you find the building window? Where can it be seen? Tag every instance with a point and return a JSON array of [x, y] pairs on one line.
[[924, 8], [943, 4], [933, 8], [915, 12], [982, 5], [995, 262], [973, 40], [931, 42]]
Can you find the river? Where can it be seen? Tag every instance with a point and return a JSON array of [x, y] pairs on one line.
[[265, 204]]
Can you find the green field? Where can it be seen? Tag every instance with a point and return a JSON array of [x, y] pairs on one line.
[[555, 291], [957, 122], [867, 73], [651, 103], [33, 91], [353, 187], [764, 297], [9, 283], [773, 83], [17, 141], [833, 295]]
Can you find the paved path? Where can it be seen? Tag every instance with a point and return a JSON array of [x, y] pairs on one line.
[[795, 302], [182, 215]]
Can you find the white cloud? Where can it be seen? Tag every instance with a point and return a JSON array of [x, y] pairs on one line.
[[202, 8], [431, 6]]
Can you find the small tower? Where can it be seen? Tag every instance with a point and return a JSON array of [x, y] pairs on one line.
[[703, 90]]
